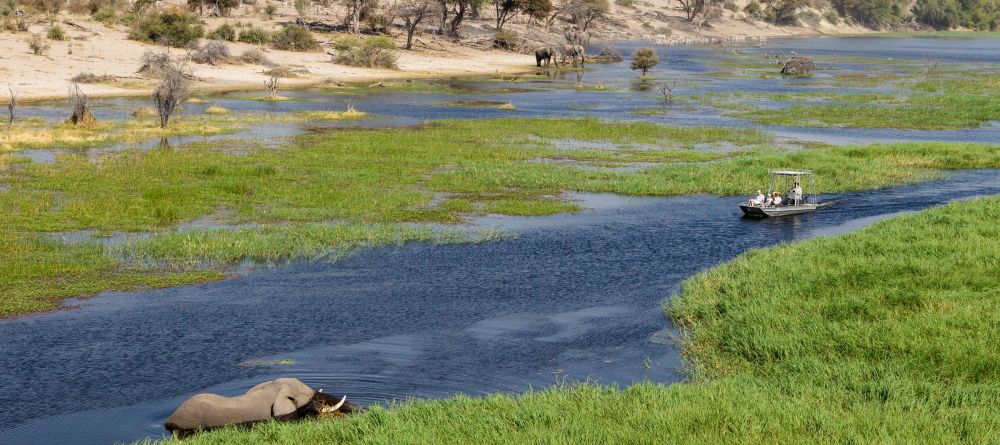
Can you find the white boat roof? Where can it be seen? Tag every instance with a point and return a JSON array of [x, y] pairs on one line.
[[791, 172]]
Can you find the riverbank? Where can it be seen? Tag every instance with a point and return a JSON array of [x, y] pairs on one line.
[[885, 336]]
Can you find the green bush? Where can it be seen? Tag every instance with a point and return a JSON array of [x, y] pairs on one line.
[[872, 13], [56, 33], [377, 52], [505, 39], [38, 45], [832, 17], [106, 15], [172, 28], [345, 43], [731, 5], [255, 36], [295, 38], [809, 17], [981, 15], [625, 3], [752, 9], [225, 32]]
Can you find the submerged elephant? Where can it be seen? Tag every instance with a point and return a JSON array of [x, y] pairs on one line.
[[545, 53], [281, 399]]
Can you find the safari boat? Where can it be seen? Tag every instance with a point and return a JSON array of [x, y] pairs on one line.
[[788, 206]]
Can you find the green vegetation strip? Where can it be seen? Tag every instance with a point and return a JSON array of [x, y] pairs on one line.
[[326, 193], [887, 335]]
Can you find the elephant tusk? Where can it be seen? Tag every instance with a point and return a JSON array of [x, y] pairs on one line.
[[335, 407]]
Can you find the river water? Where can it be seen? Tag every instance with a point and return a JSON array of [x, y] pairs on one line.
[[573, 297]]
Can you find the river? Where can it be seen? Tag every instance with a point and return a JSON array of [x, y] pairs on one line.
[[573, 297]]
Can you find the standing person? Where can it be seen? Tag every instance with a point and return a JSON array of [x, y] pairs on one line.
[[797, 193]]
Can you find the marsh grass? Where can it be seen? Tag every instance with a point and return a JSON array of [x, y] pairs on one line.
[[312, 196], [886, 335]]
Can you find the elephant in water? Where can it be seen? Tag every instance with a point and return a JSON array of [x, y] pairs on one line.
[[545, 53], [282, 399], [574, 51]]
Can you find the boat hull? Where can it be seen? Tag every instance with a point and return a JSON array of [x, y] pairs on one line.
[[772, 212]]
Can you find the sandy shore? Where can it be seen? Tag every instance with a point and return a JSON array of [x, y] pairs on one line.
[[102, 51], [97, 49]]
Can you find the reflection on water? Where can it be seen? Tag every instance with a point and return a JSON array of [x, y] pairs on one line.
[[576, 296]]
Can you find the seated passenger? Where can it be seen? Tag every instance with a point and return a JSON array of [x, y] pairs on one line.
[[758, 199], [769, 201], [777, 199]]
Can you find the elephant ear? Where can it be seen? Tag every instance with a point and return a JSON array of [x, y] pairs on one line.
[[283, 403]]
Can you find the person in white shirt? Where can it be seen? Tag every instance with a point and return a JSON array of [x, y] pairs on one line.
[[797, 194], [777, 199], [757, 200]]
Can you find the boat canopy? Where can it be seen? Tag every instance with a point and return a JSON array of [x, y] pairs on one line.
[[790, 172]]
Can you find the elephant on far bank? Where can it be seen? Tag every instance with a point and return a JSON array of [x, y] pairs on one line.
[[546, 53], [573, 52], [281, 399]]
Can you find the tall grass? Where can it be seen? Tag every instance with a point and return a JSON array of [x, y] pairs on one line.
[[887, 335]]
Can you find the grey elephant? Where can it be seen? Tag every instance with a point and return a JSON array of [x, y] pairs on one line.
[[545, 53], [281, 399], [573, 52]]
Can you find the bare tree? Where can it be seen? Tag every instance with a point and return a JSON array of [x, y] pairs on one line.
[[271, 86], [80, 104], [697, 10], [584, 12], [413, 12], [171, 92], [11, 107], [667, 90]]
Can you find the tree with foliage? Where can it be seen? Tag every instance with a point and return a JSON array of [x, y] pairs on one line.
[[584, 12], [871, 13], [413, 12], [783, 12], [644, 59], [507, 9], [697, 10], [221, 6]]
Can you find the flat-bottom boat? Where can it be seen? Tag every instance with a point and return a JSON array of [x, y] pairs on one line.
[[767, 212], [778, 178]]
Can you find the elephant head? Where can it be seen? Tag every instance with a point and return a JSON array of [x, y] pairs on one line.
[[282, 399]]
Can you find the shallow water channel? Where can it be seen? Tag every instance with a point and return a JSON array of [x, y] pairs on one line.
[[573, 297]]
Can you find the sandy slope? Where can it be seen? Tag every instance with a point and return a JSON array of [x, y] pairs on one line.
[[107, 51], [97, 49]]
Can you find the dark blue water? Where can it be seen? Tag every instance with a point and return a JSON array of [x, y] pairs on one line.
[[574, 297]]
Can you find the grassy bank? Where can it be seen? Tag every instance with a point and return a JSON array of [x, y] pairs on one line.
[[329, 192], [887, 335]]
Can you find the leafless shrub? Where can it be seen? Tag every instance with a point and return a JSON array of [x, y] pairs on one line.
[[667, 90], [93, 78], [215, 52], [255, 57], [80, 104], [171, 92], [154, 64], [11, 107], [281, 71]]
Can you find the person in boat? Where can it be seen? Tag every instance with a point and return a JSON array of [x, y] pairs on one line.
[[795, 194], [769, 201], [758, 199], [777, 199]]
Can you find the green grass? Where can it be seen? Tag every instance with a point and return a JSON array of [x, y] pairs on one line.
[[331, 192], [886, 335]]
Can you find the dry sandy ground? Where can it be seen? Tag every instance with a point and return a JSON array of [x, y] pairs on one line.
[[97, 49], [103, 51]]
